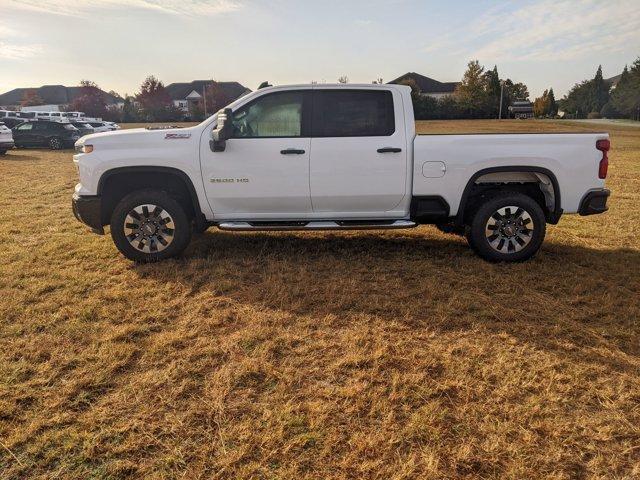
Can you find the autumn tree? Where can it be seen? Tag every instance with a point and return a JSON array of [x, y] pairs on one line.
[[31, 99], [155, 103], [541, 105], [215, 97], [90, 100]]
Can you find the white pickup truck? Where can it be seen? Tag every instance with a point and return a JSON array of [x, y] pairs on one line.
[[333, 157]]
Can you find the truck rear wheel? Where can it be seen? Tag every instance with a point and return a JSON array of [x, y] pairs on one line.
[[508, 227], [149, 225]]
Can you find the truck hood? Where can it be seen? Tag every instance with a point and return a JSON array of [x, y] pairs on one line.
[[139, 137]]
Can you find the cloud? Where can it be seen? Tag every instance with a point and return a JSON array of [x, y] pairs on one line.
[[10, 51], [79, 8], [546, 30]]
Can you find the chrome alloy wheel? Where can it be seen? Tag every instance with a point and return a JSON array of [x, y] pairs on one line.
[[149, 228], [509, 229]]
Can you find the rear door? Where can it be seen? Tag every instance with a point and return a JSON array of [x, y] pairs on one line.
[[358, 162]]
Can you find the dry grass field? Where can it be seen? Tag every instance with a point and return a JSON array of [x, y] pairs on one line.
[[389, 355]]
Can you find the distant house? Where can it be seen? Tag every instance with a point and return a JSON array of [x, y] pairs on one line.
[[54, 97], [521, 109], [187, 95], [613, 81], [428, 86]]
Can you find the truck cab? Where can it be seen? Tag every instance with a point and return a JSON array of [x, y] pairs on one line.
[[332, 157]]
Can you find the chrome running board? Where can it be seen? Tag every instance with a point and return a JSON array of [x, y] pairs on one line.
[[321, 225]]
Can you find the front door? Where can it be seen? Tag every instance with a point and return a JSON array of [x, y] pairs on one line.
[[264, 170], [358, 152]]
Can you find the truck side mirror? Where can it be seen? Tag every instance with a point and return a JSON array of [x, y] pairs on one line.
[[222, 132]]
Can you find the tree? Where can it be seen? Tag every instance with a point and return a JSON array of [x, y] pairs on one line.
[[519, 91], [471, 93], [31, 99], [600, 91], [545, 106], [155, 103], [588, 96], [90, 100], [625, 98], [553, 106], [378, 81], [130, 112], [216, 98], [492, 87], [343, 79]]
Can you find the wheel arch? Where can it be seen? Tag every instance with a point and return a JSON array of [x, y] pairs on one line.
[[553, 214], [135, 178]]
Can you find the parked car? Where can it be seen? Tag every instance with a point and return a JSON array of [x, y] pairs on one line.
[[113, 125], [43, 133], [11, 122], [100, 127], [330, 157], [83, 128], [6, 139], [73, 115]]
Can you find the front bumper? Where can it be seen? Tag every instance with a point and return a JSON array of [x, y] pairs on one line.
[[594, 202], [88, 209]]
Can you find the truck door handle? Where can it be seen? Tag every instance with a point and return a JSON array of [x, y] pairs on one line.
[[292, 151], [389, 150]]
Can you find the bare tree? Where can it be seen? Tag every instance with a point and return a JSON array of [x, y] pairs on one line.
[[343, 79]]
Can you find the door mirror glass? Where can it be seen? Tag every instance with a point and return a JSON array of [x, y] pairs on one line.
[[223, 130]]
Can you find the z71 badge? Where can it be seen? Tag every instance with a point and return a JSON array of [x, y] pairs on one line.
[[175, 136]]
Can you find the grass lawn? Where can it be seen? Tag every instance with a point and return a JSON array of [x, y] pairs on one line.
[[357, 355]]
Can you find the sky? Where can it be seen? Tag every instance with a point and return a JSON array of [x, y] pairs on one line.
[[117, 43]]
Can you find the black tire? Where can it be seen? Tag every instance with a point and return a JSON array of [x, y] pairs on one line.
[[3, 152], [55, 143], [499, 234], [125, 237]]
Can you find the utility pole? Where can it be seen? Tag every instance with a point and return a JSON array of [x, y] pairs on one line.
[[501, 93], [204, 99]]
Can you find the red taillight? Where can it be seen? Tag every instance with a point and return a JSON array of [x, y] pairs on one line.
[[603, 146]]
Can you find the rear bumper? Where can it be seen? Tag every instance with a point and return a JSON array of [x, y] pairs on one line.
[[594, 202], [6, 145], [88, 210]]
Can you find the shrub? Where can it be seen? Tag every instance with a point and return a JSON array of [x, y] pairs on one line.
[[594, 115]]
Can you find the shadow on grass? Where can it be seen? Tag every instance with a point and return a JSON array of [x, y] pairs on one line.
[[565, 296]]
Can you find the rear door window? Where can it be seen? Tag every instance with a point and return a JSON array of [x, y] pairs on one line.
[[352, 113]]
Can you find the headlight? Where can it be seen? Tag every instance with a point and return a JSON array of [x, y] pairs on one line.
[[84, 148]]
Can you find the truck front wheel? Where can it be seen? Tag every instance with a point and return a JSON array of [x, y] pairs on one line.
[[149, 225], [508, 227]]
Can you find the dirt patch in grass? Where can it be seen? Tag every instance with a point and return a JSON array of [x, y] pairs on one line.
[[318, 355]]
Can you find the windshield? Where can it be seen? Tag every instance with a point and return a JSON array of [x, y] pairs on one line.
[[68, 126]]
